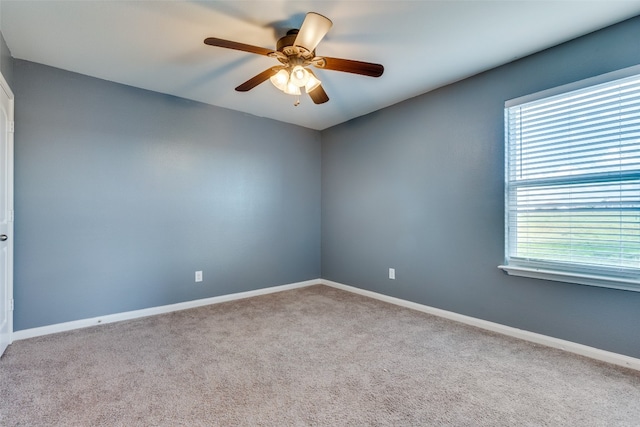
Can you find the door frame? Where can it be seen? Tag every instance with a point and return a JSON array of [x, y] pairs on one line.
[[4, 86]]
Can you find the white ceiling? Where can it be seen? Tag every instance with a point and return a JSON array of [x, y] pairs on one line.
[[158, 45]]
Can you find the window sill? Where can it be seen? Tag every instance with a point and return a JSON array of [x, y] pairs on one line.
[[581, 279]]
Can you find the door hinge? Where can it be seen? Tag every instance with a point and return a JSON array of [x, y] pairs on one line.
[[11, 304], [11, 215], [12, 126]]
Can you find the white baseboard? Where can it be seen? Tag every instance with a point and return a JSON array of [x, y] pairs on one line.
[[583, 350], [117, 317]]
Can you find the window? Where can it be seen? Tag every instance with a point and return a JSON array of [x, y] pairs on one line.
[[572, 183]]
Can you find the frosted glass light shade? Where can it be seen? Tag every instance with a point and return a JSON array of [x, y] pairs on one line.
[[292, 89], [312, 83], [299, 76], [280, 79], [313, 29]]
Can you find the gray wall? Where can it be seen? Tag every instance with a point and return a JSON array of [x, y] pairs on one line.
[[6, 62], [419, 187], [122, 194]]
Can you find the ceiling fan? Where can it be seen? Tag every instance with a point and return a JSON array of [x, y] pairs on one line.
[[296, 52]]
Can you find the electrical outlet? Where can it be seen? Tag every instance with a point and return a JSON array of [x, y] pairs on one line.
[[392, 273], [199, 276]]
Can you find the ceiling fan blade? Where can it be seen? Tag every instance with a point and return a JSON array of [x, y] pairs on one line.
[[212, 41], [313, 29], [256, 80], [351, 66], [318, 95]]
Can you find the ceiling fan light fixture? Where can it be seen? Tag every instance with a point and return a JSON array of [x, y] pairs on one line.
[[299, 76], [280, 79], [312, 83]]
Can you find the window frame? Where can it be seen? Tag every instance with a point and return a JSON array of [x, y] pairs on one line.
[[543, 269]]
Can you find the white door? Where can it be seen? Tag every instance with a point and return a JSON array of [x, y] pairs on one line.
[[6, 214]]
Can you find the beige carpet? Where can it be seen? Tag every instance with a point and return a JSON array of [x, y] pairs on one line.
[[313, 356]]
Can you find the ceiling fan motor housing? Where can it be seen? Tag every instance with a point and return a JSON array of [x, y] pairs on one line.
[[285, 45]]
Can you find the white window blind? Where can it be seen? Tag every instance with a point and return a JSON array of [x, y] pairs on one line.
[[573, 182]]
